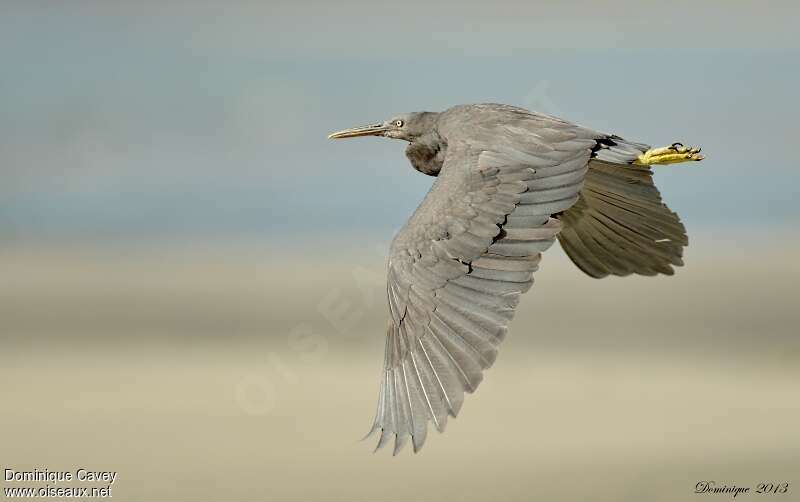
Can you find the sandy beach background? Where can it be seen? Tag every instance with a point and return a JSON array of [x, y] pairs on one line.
[[240, 373]]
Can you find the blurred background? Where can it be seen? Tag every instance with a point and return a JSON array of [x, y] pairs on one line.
[[192, 275]]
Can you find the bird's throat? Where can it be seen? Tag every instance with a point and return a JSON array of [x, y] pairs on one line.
[[427, 157]]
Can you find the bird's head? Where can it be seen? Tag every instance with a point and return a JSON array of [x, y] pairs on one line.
[[408, 126]]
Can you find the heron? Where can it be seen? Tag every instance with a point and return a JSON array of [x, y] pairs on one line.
[[509, 182]]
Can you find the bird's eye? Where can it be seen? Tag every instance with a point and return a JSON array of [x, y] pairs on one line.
[[398, 123]]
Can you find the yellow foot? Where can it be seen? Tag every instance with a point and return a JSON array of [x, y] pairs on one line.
[[672, 154]]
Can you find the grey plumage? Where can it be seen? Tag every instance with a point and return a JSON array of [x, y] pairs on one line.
[[619, 226], [509, 182]]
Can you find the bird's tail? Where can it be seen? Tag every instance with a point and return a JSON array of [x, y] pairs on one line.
[[616, 150]]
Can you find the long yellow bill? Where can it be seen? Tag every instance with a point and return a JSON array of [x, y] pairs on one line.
[[369, 130]]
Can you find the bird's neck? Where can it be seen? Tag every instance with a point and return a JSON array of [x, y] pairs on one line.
[[426, 154]]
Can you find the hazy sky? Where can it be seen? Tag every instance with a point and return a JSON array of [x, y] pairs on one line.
[[178, 118]]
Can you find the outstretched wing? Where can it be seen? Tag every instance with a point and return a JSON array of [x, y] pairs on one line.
[[458, 267], [620, 226]]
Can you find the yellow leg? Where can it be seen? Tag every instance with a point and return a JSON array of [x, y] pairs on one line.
[[672, 154]]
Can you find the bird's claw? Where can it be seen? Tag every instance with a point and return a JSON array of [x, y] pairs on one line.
[[672, 154], [680, 148]]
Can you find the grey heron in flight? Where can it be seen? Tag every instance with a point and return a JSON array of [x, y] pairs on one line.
[[508, 183]]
